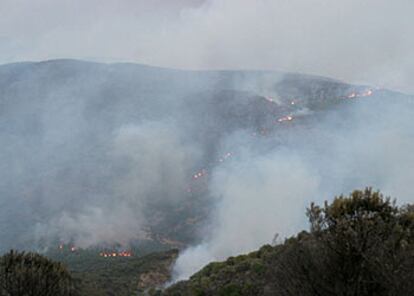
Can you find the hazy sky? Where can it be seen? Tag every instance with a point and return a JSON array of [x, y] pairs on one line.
[[355, 40]]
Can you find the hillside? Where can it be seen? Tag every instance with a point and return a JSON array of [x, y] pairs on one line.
[[69, 132], [361, 244], [126, 157], [96, 275]]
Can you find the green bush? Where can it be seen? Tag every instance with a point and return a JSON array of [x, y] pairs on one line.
[[24, 274]]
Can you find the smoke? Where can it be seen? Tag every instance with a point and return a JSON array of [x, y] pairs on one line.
[[157, 162], [258, 196], [152, 166], [356, 41], [96, 154], [266, 191], [88, 151], [85, 153], [107, 154]]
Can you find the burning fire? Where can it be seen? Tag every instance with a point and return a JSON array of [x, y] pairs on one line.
[[366, 93], [270, 99], [71, 248], [227, 155], [352, 95], [105, 254], [115, 254], [285, 118], [200, 174], [204, 172]]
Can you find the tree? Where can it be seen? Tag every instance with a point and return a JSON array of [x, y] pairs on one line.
[[358, 245], [30, 274], [362, 244]]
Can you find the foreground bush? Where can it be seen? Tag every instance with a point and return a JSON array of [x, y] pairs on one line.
[[30, 274], [359, 245]]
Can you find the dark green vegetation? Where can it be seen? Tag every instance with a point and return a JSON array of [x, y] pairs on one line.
[[362, 244], [30, 274], [73, 134], [87, 274], [98, 276], [357, 245]]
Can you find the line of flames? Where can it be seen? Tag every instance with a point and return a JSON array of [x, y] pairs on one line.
[[115, 254], [104, 254], [365, 93], [203, 172]]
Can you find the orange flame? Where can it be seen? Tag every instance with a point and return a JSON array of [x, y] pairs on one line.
[[366, 93], [285, 118], [115, 254]]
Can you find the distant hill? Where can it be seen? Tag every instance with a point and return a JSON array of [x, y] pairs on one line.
[[67, 129], [100, 156]]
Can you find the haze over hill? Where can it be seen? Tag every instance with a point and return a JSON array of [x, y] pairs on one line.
[[100, 141], [357, 41], [142, 140], [103, 154]]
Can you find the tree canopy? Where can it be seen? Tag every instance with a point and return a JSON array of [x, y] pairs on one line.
[[364, 246], [357, 245], [30, 274]]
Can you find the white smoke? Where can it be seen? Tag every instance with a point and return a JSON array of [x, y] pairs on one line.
[[258, 197], [261, 191], [152, 165], [357, 41], [370, 144]]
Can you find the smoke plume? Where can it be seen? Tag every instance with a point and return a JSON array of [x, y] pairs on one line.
[[367, 143], [357, 41]]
